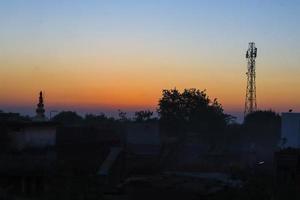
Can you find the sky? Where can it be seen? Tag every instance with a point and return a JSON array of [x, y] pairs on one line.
[[100, 56]]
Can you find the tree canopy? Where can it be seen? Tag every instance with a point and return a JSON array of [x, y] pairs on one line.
[[263, 124], [261, 118], [190, 110], [143, 115], [101, 119], [68, 118]]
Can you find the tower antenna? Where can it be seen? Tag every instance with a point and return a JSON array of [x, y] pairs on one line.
[[250, 102]]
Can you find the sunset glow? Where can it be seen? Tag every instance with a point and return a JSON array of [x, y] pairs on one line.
[[116, 55]]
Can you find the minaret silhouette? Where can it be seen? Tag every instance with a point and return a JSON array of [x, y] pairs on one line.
[[40, 111]]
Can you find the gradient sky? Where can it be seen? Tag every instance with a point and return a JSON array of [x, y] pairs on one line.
[[95, 56]]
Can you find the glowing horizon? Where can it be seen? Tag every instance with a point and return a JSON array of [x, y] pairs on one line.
[[112, 54]]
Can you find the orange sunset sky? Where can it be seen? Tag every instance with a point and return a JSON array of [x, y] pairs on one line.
[[96, 56]]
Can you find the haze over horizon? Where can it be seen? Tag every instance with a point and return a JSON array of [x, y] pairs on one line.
[[100, 56]]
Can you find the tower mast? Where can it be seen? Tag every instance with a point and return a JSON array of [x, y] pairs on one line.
[[250, 102]]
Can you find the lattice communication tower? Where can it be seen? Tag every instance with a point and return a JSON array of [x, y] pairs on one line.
[[250, 102]]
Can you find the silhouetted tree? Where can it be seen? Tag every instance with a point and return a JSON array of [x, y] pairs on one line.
[[123, 116], [13, 117], [143, 115], [68, 118], [263, 125], [191, 110], [95, 120]]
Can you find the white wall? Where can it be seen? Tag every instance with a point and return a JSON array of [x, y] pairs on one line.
[[36, 137], [143, 138], [290, 129]]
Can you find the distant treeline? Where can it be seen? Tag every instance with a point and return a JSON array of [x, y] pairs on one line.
[[191, 110]]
